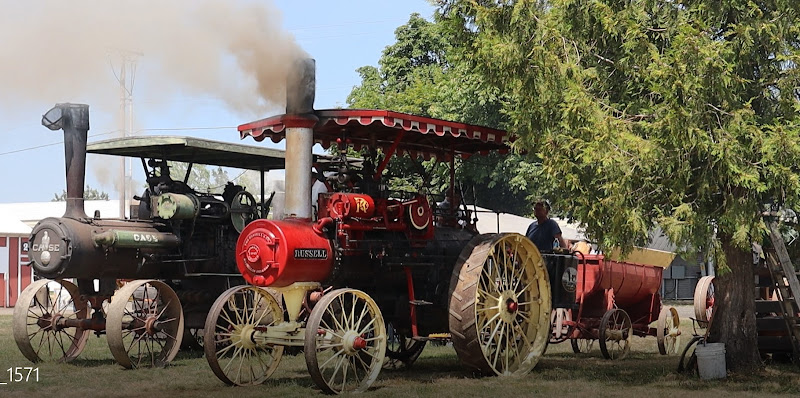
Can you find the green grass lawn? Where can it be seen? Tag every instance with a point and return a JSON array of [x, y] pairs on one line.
[[436, 374]]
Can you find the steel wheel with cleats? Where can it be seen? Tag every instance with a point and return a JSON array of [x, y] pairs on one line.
[[345, 341], [144, 326], [500, 305], [231, 350], [401, 350], [39, 321], [668, 331], [616, 333]]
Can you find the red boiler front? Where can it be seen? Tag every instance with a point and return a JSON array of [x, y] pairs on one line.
[[279, 253]]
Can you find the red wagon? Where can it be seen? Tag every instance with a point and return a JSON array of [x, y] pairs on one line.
[[609, 300]]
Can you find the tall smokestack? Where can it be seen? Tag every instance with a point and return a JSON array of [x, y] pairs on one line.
[[74, 120], [300, 86]]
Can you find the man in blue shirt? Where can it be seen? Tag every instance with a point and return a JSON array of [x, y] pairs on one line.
[[544, 231]]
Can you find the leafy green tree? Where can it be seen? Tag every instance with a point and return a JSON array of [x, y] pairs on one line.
[[201, 178], [419, 74], [89, 193], [677, 113]]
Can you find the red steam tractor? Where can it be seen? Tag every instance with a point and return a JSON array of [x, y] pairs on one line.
[[373, 273]]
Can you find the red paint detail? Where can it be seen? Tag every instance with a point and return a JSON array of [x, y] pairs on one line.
[[3, 290], [3, 241], [13, 272], [277, 241], [512, 306], [343, 205], [359, 343], [364, 124], [412, 307], [15, 246]]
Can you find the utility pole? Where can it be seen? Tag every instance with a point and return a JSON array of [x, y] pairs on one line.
[[126, 78]]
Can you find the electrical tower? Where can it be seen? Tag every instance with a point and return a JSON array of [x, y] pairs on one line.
[[126, 76]]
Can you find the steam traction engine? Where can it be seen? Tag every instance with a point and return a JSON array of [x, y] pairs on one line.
[[179, 253], [374, 273]]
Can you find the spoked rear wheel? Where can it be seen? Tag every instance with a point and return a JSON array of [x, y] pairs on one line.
[[345, 341], [500, 305], [231, 350], [401, 350], [39, 316], [582, 346], [616, 333], [144, 327]]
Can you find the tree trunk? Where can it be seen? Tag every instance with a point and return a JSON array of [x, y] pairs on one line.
[[734, 319]]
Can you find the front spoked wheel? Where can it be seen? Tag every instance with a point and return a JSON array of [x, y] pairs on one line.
[[145, 324], [40, 315], [345, 342], [232, 350]]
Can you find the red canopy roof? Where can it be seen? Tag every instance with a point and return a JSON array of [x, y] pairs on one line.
[[380, 128]]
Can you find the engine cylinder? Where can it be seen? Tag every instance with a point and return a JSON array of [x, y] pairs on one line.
[[279, 253]]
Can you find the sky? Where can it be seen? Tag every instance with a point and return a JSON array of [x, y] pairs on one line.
[[202, 67]]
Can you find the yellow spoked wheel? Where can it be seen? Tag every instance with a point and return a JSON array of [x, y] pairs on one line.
[[144, 327], [231, 350], [616, 333], [39, 321], [345, 341], [668, 331], [500, 305]]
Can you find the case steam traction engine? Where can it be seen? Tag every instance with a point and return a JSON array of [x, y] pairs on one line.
[[374, 273], [179, 253]]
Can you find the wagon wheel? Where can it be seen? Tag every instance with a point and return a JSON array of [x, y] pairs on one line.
[[500, 305], [582, 346], [230, 350], [704, 299], [345, 341], [192, 339], [38, 320], [145, 324], [668, 331], [616, 333], [401, 350]]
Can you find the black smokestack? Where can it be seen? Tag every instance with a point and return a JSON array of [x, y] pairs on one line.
[[300, 87], [74, 120]]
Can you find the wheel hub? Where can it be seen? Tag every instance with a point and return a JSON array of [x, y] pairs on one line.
[[150, 325], [243, 336], [353, 342], [508, 306]]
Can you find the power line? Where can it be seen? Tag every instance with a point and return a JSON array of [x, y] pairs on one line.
[[117, 131]]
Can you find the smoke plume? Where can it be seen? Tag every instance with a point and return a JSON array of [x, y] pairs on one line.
[[56, 50]]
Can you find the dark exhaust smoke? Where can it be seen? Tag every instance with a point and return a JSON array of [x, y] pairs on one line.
[[301, 87], [74, 120]]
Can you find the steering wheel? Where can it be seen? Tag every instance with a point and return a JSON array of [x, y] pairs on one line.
[[244, 209]]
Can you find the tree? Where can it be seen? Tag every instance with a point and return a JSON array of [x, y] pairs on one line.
[[677, 113], [419, 74], [89, 194], [201, 178]]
